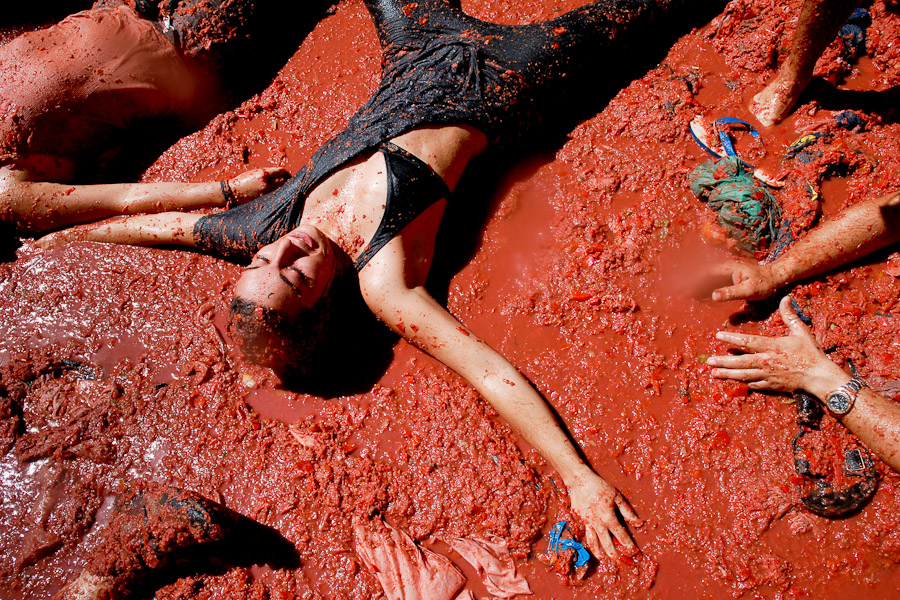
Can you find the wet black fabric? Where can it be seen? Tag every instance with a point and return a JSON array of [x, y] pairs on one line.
[[412, 186], [443, 67]]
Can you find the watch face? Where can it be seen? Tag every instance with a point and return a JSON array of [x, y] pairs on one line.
[[839, 403]]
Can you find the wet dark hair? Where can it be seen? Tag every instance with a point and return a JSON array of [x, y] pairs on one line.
[[267, 337], [198, 27]]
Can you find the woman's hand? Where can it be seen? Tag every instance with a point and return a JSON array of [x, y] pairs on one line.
[[749, 281], [595, 501], [58, 239], [256, 182], [783, 364]]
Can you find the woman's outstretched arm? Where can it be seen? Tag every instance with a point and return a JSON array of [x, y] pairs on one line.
[[795, 362], [138, 230], [415, 315], [860, 230], [42, 206]]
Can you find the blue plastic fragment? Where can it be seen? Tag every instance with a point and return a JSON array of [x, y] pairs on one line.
[[801, 313], [558, 543], [727, 144], [726, 139]]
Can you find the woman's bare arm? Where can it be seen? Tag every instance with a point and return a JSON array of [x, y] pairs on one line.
[[414, 314], [797, 362], [42, 206], [860, 230], [138, 230]]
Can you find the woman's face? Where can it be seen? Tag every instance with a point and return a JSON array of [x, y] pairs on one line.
[[291, 274]]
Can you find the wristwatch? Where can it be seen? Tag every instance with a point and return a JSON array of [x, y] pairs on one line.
[[840, 401]]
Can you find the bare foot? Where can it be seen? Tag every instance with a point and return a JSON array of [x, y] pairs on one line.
[[256, 182], [775, 102]]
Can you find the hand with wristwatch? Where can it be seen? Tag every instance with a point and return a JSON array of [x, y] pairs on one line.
[[787, 364], [796, 362]]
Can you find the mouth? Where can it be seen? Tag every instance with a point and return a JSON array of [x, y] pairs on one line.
[[305, 238]]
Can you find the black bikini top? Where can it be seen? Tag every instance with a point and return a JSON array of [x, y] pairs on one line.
[[412, 187]]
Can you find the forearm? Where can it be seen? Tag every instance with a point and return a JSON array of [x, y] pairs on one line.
[[860, 230], [520, 405], [874, 419], [162, 196], [140, 230], [430, 327]]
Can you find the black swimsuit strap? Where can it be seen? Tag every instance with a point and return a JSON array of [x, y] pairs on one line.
[[412, 187], [390, 148]]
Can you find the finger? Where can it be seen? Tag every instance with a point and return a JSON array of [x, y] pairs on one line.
[[725, 269], [606, 542], [745, 341], [626, 510], [592, 542], [624, 538], [739, 374], [740, 361], [790, 317], [764, 384], [732, 292]]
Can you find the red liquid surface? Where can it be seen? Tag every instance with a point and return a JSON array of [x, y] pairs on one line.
[[579, 278]]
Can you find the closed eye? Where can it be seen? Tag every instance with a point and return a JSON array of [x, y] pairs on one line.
[[255, 258], [290, 283], [303, 276]]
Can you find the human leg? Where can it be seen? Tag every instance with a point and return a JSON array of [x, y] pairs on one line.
[[819, 23], [43, 206]]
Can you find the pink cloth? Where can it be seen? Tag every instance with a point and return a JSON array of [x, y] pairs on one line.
[[494, 565], [405, 570]]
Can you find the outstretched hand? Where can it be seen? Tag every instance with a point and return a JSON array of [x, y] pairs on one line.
[[595, 501], [783, 364], [749, 281], [58, 239]]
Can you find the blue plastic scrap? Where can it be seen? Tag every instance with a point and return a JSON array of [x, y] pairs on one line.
[[727, 144], [558, 544]]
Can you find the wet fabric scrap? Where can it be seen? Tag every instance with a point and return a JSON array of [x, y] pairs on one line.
[[743, 203], [494, 565], [853, 35], [405, 570]]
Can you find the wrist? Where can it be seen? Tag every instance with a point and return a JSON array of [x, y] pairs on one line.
[[779, 273], [576, 475], [227, 191], [824, 379]]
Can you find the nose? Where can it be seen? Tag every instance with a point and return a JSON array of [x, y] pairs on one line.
[[286, 252]]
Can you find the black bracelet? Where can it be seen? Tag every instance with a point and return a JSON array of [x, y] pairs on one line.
[[227, 192]]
